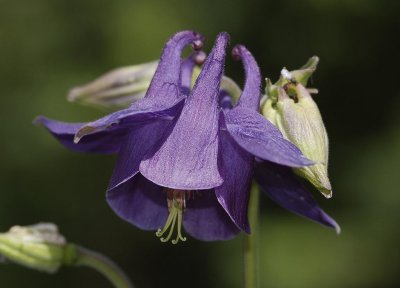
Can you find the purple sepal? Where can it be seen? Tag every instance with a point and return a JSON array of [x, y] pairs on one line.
[[105, 142], [236, 168], [140, 202], [206, 220], [261, 138], [282, 186]]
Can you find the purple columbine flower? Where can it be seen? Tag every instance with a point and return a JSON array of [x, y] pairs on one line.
[[183, 159]]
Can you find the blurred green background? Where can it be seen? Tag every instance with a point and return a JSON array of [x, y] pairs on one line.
[[48, 46]]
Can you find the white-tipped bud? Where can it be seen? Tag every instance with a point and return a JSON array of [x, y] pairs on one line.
[[39, 247]]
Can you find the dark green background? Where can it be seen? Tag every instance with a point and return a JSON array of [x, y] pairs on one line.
[[48, 46]]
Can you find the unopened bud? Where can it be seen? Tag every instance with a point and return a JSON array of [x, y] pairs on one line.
[[39, 247], [292, 109], [119, 87], [123, 86]]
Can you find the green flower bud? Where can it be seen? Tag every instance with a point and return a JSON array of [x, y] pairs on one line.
[[292, 109], [119, 87], [125, 85], [39, 247]]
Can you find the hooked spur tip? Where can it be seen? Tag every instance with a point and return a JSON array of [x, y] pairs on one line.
[[200, 57], [185, 38], [237, 52], [198, 43]]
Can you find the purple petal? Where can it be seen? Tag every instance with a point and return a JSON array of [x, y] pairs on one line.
[[139, 141], [281, 185], [105, 142], [206, 220], [251, 94], [140, 202], [164, 96], [144, 110], [261, 138], [236, 167], [188, 158]]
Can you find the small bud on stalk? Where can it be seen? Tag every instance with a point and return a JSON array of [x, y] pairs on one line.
[[38, 246], [125, 85], [42, 247]]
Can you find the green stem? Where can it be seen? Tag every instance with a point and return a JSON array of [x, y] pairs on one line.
[[250, 247], [103, 265]]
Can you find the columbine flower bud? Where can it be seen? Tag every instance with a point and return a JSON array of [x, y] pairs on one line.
[[118, 87], [125, 85], [292, 109], [39, 247]]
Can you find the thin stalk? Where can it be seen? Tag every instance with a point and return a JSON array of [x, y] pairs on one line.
[[103, 265], [250, 247]]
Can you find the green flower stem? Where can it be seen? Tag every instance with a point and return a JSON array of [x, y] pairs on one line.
[[250, 247], [103, 265]]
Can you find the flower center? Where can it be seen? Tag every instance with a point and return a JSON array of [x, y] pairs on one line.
[[176, 200]]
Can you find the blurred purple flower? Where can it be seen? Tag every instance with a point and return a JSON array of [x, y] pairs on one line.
[[183, 159]]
